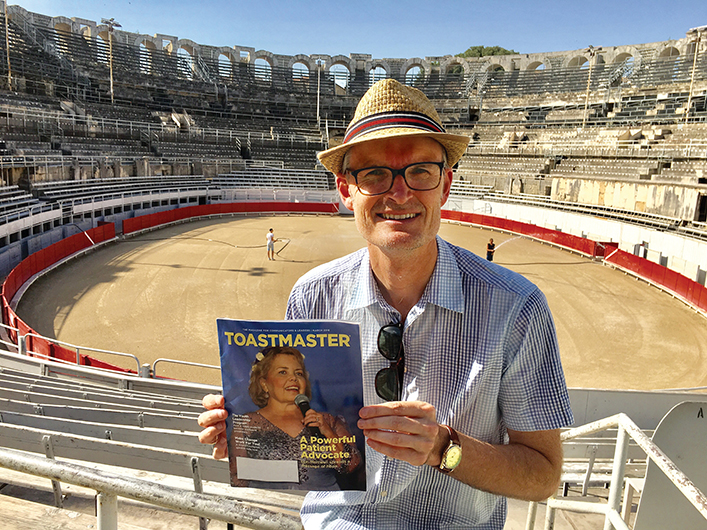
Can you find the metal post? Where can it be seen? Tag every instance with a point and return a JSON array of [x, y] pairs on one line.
[[617, 475], [697, 40], [111, 23], [56, 485], [7, 47], [107, 511]]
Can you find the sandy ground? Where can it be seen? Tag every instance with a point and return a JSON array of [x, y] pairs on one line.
[[159, 295]]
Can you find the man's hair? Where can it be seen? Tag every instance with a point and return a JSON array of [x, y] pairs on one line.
[[260, 370]]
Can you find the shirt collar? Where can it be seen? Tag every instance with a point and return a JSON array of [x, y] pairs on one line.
[[444, 288]]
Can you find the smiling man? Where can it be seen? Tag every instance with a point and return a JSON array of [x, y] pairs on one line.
[[463, 387]]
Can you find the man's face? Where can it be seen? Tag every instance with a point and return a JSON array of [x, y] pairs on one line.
[[401, 219]]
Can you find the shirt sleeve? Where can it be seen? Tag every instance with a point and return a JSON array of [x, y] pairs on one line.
[[533, 393]]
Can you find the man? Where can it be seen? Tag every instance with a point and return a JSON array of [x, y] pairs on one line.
[[270, 239], [475, 390], [490, 249]]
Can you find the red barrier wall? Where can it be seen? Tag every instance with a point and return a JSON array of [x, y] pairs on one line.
[[46, 257], [692, 292], [579, 244], [160, 218]]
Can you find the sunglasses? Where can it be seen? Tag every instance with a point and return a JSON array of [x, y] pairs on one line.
[[390, 345]]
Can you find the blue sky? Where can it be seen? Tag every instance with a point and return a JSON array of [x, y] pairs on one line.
[[394, 29]]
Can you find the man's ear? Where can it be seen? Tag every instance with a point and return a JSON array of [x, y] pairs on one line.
[[342, 185], [446, 184]]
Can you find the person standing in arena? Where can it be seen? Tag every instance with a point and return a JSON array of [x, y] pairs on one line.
[[463, 386], [270, 238], [490, 250]]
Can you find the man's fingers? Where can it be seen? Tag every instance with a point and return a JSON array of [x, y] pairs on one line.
[[213, 401], [213, 434], [212, 417], [399, 408], [220, 448]]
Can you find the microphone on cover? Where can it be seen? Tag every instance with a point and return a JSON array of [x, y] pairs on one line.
[[302, 402]]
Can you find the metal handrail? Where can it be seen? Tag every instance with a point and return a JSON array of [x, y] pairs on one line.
[[79, 348], [627, 430], [177, 361], [190, 503]]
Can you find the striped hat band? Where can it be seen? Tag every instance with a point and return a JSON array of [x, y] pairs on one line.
[[388, 120]]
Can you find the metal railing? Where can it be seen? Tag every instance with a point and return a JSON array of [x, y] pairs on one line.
[[627, 430], [24, 350], [110, 486]]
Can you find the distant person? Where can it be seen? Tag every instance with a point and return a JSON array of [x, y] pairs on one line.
[[270, 237], [490, 250]]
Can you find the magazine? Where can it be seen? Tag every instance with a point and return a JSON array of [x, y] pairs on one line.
[[293, 391]]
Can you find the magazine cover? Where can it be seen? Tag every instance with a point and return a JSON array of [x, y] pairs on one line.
[[293, 390]]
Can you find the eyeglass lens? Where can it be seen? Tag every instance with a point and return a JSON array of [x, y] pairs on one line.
[[422, 176], [390, 345]]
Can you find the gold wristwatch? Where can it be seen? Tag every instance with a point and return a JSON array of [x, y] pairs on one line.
[[452, 455]]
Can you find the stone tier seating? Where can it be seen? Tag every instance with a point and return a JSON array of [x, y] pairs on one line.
[[67, 189], [276, 178]]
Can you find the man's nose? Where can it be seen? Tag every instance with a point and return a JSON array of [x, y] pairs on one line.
[[400, 186]]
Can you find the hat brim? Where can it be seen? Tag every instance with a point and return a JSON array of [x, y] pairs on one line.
[[454, 144]]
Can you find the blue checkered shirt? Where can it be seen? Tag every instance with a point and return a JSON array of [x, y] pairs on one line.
[[480, 346]]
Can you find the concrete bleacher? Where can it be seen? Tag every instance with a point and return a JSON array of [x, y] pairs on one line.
[[276, 178]]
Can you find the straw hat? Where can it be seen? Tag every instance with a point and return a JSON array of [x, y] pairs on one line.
[[388, 109]]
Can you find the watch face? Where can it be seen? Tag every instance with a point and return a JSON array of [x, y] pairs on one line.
[[452, 457]]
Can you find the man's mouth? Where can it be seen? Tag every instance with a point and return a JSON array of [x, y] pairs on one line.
[[397, 217]]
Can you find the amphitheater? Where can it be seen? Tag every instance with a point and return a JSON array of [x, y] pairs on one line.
[[140, 173]]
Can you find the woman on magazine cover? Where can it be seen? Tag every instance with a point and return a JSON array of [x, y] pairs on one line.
[[277, 430]]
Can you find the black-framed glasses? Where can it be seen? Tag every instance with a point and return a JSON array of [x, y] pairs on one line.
[[421, 176], [389, 381]]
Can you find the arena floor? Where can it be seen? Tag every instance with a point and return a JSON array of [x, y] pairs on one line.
[[159, 295]]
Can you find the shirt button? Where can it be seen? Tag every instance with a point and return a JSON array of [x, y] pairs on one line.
[[384, 493]]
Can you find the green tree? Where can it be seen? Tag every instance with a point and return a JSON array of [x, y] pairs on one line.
[[485, 51]]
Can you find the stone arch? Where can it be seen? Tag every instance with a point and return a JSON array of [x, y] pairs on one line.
[[669, 52], [185, 60], [303, 59], [452, 65], [341, 69], [538, 66], [495, 67], [621, 57], [349, 63], [410, 75], [266, 56], [147, 47], [578, 61], [226, 61], [263, 66], [377, 70]]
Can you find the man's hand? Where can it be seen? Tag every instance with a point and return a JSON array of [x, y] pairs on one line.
[[405, 430], [214, 423]]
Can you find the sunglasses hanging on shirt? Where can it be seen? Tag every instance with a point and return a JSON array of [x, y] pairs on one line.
[[389, 381]]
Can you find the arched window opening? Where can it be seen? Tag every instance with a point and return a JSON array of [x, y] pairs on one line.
[[63, 34], [669, 53], [415, 76], [102, 47], [300, 72], [225, 66], [376, 74], [146, 48], [263, 70], [537, 66], [185, 64], [580, 62], [341, 76], [496, 68]]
